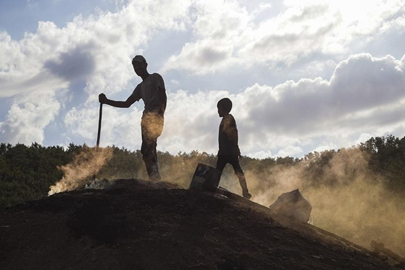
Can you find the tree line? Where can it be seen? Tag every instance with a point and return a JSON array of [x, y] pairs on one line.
[[27, 172]]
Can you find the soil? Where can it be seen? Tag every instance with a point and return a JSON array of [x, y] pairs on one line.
[[138, 224]]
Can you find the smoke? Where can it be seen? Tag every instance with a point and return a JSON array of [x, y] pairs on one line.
[[76, 174], [179, 169], [360, 211], [347, 198], [152, 126]]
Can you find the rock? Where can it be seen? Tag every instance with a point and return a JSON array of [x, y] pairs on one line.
[[292, 205]]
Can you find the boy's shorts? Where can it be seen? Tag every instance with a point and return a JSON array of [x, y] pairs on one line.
[[231, 159]]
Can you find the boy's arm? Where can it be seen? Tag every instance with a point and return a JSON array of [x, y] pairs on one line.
[[234, 138], [234, 135]]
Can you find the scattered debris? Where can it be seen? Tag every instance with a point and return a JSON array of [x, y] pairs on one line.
[[98, 184]]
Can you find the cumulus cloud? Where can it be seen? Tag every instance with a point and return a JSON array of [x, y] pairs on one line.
[[97, 45], [290, 151], [92, 50], [228, 34], [361, 87], [192, 121], [25, 121], [261, 154], [74, 65], [120, 127]]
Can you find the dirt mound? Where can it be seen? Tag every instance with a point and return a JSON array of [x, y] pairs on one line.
[[142, 225]]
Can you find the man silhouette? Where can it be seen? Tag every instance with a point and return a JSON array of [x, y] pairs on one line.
[[152, 91]]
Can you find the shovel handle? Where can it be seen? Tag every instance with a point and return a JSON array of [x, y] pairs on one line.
[[100, 116]]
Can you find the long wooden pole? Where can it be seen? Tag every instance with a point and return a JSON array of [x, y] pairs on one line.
[[100, 116]]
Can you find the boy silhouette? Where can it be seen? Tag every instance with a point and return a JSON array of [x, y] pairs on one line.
[[228, 144], [152, 91]]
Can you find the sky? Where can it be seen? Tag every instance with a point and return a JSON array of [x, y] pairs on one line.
[[303, 75]]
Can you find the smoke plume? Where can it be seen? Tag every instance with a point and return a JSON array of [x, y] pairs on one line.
[[347, 198], [84, 165]]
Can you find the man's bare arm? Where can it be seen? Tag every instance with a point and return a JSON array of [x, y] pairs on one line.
[[119, 104]]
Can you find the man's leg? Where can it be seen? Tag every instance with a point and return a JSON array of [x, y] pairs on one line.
[[149, 154], [241, 176], [151, 130]]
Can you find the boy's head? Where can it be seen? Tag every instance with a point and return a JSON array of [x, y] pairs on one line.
[[139, 63], [224, 106]]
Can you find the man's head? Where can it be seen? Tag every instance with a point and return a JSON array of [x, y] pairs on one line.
[[224, 107], [140, 65]]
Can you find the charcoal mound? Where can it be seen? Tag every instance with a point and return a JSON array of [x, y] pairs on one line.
[[136, 224]]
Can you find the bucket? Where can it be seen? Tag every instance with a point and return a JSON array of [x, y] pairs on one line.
[[206, 178]]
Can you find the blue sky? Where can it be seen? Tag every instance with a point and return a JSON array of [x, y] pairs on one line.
[[303, 75], [20, 16]]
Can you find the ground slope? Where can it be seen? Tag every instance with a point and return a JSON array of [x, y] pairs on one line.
[[142, 225]]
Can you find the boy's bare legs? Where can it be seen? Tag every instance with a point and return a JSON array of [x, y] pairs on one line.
[[242, 181], [234, 161]]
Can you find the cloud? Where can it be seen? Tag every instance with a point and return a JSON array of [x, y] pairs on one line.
[[327, 146], [362, 138], [363, 82], [200, 57], [235, 36], [291, 151], [120, 127], [217, 27], [25, 122], [93, 51], [245, 42], [73, 65], [191, 122], [261, 154], [261, 7], [359, 86]]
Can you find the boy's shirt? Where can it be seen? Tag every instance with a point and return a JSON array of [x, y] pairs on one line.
[[228, 137]]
